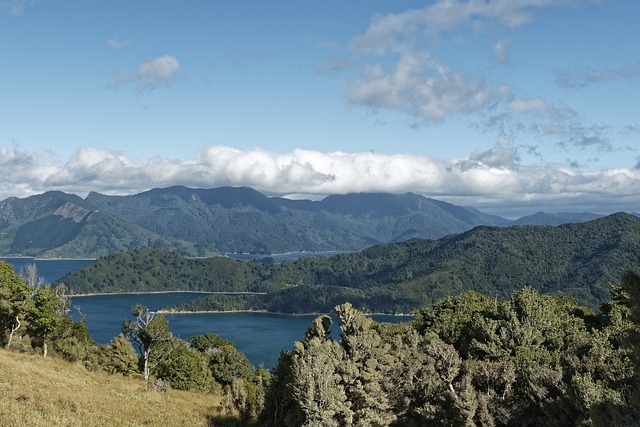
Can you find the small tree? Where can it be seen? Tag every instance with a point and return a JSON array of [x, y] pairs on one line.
[[147, 331], [15, 303], [119, 357], [48, 311]]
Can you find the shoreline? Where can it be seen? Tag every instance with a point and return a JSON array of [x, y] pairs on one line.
[[96, 294], [171, 311], [266, 312]]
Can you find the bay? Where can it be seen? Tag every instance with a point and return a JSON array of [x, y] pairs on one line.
[[49, 269], [260, 336]]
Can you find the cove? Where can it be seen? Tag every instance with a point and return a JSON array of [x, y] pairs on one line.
[[260, 336]]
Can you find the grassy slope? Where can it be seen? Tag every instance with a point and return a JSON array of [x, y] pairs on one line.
[[51, 392]]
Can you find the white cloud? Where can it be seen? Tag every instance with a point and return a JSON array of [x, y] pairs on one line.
[[159, 71], [491, 180], [419, 86]]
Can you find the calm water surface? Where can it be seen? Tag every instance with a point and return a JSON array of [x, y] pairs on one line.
[[260, 336]]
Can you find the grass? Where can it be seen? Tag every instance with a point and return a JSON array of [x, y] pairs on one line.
[[50, 392]]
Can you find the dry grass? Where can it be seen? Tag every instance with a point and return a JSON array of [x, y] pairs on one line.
[[48, 392]]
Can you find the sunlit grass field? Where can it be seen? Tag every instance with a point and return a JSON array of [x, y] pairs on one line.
[[50, 392]]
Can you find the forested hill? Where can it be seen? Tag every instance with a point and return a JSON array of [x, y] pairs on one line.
[[580, 260]]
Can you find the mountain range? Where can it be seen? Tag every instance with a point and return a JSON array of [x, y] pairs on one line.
[[204, 222]]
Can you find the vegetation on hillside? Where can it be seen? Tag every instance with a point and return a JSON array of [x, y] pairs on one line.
[[33, 319], [576, 260], [471, 360]]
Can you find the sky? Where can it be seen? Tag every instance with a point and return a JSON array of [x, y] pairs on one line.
[[509, 106]]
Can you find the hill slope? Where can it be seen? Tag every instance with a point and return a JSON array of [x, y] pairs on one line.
[[580, 260], [51, 392], [59, 225]]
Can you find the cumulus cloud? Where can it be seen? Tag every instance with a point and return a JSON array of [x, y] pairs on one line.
[[159, 71], [491, 180], [582, 77], [419, 86]]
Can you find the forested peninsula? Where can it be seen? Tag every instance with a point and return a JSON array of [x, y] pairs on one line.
[[580, 261]]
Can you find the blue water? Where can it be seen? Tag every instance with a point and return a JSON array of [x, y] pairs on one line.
[[49, 270], [260, 336]]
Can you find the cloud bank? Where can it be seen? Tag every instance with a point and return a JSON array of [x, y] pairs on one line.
[[491, 180]]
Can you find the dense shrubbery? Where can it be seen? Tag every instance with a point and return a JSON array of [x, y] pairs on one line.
[[469, 360]]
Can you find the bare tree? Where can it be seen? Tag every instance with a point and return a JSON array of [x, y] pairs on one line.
[[29, 274], [147, 331]]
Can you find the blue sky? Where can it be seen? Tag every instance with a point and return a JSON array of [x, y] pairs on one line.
[[510, 106]]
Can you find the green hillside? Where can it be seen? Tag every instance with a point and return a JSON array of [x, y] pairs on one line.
[[579, 260]]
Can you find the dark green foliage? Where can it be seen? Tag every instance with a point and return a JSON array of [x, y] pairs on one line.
[[470, 360], [207, 342], [184, 368], [119, 357], [148, 270], [72, 341], [15, 304], [227, 363], [47, 317]]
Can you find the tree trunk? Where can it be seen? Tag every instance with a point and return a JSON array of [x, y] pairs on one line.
[[13, 331], [146, 366]]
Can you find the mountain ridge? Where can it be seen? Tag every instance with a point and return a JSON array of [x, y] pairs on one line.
[[198, 222]]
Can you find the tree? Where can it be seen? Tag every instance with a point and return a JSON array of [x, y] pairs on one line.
[[48, 311], [119, 357], [317, 383], [186, 369], [365, 368], [15, 303], [147, 331]]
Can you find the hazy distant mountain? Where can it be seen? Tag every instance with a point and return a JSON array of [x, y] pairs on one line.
[[59, 225], [196, 222], [542, 218], [243, 220]]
